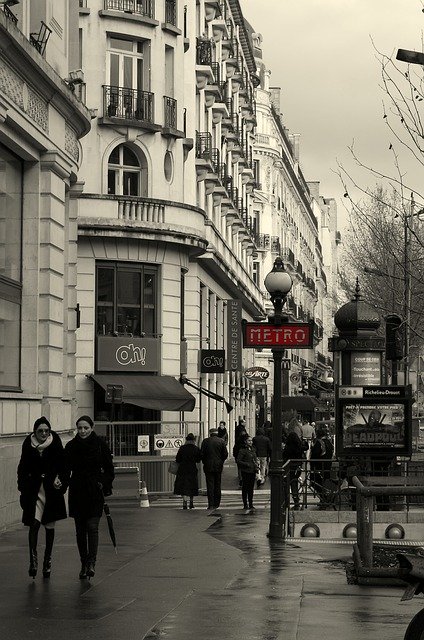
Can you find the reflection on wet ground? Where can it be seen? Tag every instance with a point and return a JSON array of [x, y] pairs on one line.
[[285, 591]]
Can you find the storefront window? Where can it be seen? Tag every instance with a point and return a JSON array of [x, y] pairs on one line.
[[126, 299]]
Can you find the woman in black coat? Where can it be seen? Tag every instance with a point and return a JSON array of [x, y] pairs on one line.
[[186, 481], [42, 481], [89, 462], [247, 462]]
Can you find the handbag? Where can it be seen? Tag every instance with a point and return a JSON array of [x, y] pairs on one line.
[[173, 467]]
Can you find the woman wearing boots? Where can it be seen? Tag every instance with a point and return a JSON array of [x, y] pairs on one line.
[[89, 462], [186, 481], [42, 482]]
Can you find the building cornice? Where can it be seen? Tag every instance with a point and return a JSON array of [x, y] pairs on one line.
[[243, 34]]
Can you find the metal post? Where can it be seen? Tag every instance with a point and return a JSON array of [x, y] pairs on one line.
[[276, 525], [364, 513], [408, 226]]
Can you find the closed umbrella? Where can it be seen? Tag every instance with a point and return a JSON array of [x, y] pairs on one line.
[[110, 524]]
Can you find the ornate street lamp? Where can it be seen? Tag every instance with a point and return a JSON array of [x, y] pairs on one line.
[[278, 284]]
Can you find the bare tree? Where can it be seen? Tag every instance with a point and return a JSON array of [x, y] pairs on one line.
[[385, 240]]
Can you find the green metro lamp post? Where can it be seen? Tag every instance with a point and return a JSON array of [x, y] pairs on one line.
[[278, 283]]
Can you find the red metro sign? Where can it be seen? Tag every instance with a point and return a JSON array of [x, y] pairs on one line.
[[296, 335]]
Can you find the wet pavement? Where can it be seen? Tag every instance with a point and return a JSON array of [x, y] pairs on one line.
[[189, 574]]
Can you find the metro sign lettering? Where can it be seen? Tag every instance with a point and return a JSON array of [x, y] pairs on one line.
[[296, 335]]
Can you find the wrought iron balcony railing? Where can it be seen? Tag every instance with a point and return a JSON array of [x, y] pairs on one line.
[[215, 156], [129, 104], [140, 7], [171, 12], [170, 112], [9, 14], [275, 244], [263, 241], [288, 257], [204, 51], [204, 145]]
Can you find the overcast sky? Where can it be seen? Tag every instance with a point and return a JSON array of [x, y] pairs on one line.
[[321, 55]]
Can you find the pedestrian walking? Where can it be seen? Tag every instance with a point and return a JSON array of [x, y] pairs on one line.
[[239, 428], [262, 446], [222, 432], [321, 455], [213, 452], [186, 481], [89, 463], [294, 451], [42, 481], [248, 464], [238, 443]]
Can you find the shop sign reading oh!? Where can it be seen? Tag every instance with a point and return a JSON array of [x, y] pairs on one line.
[[294, 335]]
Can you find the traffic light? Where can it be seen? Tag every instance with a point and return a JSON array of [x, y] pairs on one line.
[[394, 337]]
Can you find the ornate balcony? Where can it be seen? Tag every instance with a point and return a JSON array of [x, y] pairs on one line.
[[204, 57], [130, 105], [138, 7], [288, 258], [203, 152], [263, 241]]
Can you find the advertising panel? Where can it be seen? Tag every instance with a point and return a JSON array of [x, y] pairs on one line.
[[365, 368], [374, 420]]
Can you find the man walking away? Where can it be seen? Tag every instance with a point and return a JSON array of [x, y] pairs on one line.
[[262, 445], [214, 453]]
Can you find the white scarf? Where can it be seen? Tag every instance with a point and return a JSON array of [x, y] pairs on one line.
[[40, 446]]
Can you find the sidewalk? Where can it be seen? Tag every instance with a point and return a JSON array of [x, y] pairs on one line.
[[188, 574]]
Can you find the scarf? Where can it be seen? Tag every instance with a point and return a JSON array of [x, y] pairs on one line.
[[40, 446]]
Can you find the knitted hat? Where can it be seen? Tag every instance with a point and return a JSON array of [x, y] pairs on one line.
[[41, 421]]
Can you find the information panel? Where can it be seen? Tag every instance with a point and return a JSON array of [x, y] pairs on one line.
[[374, 420]]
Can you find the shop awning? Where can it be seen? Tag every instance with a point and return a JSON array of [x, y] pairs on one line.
[[298, 403], [161, 393]]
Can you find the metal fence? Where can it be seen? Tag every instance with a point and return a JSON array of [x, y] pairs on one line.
[[328, 484]]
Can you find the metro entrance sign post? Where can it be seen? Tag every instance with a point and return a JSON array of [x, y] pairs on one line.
[[279, 335]]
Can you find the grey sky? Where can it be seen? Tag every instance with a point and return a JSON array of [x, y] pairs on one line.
[[320, 53]]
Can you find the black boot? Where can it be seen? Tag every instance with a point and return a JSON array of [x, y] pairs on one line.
[[90, 570], [32, 541], [33, 564], [47, 563], [83, 572]]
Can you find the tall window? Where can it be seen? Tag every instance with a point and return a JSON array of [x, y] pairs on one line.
[[124, 172], [126, 299], [129, 64], [11, 174]]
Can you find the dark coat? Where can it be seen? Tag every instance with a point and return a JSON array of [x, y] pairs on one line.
[[34, 469], [247, 460], [186, 482], [214, 453], [262, 445], [293, 449], [223, 433], [89, 462]]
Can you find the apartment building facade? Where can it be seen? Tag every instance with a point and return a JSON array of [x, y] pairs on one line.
[[166, 234]]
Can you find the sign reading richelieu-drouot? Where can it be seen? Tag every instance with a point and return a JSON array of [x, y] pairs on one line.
[[374, 420]]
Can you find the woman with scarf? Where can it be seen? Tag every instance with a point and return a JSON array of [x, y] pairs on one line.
[[247, 462], [89, 463], [42, 481]]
